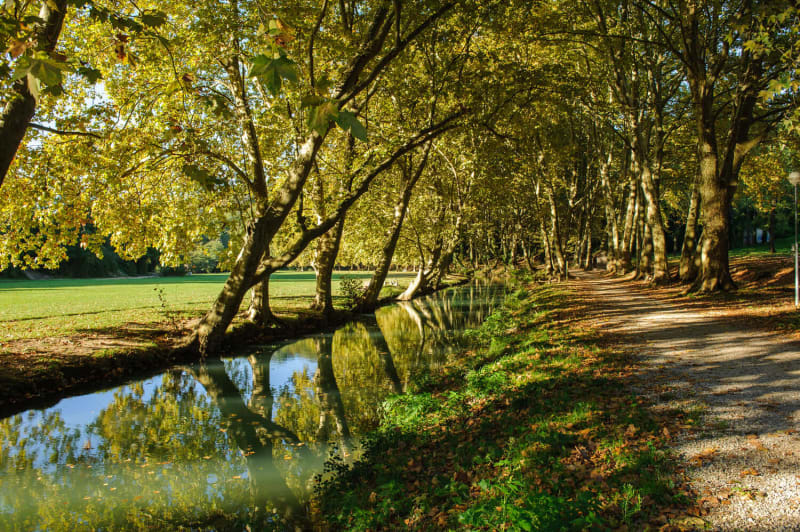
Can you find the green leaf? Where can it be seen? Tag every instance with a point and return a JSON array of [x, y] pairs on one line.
[[92, 75], [311, 100], [22, 68], [154, 19], [272, 72], [286, 68], [348, 122], [323, 84], [202, 176], [47, 71], [319, 117], [258, 65], [34, 86]]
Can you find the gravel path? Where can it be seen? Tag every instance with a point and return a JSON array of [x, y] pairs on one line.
[[745, 460]]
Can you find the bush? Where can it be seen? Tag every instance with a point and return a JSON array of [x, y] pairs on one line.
[[351, 289]]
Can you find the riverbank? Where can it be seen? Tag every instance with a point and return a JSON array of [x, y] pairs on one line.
[[536, 428], [37, 376]]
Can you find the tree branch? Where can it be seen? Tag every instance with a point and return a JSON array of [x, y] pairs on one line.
[[61, 132]]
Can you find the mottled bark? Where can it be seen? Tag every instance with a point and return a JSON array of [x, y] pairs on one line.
[[655, 224], [271, 214], [615, 248], [259, 311], [629, 228], [588, 263], [209, 332], [645, 266], [722, 152], [548, 255], [328, 246], [445, 260], [688, 265], [369, 300], [557, 248], [420, 283], [19, 110]]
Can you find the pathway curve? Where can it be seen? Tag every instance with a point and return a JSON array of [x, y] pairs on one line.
[[746, 457]]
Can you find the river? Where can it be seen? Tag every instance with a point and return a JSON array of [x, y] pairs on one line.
[[229, 443]]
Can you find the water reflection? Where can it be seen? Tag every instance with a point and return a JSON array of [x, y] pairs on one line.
[[229, 443]]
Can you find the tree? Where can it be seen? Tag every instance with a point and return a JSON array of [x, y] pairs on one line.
[[731, 52]]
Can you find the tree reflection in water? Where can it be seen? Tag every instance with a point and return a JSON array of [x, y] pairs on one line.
[[219, 445]]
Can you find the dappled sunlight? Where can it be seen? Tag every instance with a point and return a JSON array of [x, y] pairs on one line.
[[743, 380]]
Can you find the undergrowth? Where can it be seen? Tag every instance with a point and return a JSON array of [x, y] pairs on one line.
[[535, 428]]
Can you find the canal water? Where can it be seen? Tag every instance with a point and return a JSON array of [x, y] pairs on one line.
[[230, 443]]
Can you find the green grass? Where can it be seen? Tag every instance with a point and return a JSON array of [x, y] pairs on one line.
[[783, 246], [535, 429], [60, 307]]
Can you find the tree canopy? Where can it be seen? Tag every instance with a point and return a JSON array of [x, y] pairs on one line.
[[380, 133]]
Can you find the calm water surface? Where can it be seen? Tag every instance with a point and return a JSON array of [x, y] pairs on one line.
[[228, 443]]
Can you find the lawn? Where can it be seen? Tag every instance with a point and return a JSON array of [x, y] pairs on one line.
[[63, 307], [783, 246]]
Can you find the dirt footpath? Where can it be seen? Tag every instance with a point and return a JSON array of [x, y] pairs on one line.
[[745, 459]]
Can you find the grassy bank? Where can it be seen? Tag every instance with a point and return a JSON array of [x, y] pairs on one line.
[[63, 307], [535, 429], [65, 336]]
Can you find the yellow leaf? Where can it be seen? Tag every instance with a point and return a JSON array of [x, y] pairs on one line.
[[17, 48]]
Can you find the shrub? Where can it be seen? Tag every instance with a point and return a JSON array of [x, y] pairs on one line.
[[351, 289]]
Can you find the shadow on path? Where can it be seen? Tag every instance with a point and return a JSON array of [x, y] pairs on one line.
[[746, 379]]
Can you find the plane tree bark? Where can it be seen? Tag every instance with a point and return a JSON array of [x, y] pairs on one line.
[[19, 110], [726, 76], [410, 178], [639, 93], [689, 266], [271, 211]]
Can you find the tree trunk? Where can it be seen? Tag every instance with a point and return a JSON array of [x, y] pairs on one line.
[[420, 283], [548, 255], [772, 230], [259, 311], [417, 285], [615, 249], [558, 250], [442, 266], [587, 259], [327, 251], [688, 265], [19, 110], [370, 298], [209, 332], [716, 199], [714, 253], [658, 241], [629, 229], [513, 246], [441, 269], [645, 265]]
